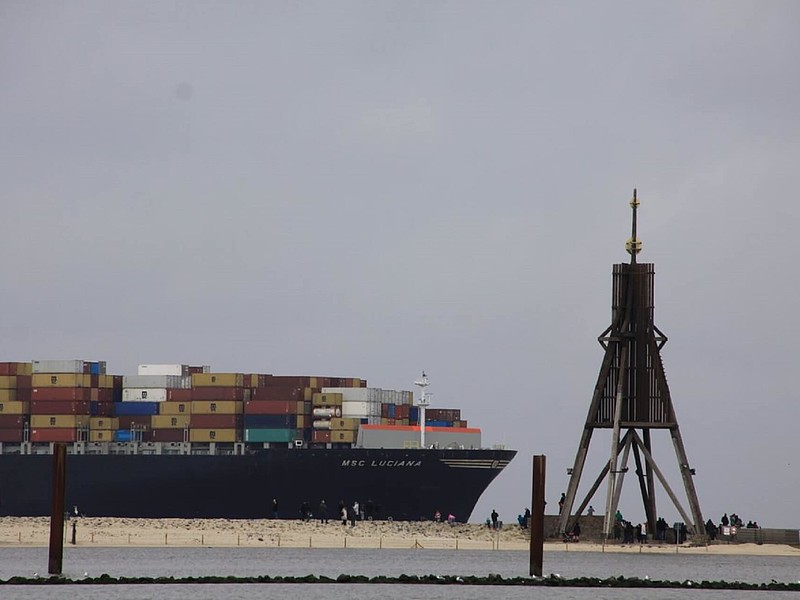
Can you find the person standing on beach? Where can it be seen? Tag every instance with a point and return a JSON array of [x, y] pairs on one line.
[[494, 519], [323, 512], [344, 515], [354, 514], [561, 502], [274, 508]]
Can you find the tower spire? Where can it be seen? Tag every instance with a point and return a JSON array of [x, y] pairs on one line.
[[634, 244]]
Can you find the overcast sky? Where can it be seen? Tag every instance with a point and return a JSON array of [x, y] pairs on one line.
[[369, 189]]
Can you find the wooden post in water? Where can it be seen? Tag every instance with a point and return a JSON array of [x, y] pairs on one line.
[[537, 515], [57, 510]]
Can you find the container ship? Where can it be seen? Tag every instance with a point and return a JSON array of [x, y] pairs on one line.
[[181, 441]]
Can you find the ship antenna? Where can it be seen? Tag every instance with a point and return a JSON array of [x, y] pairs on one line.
[[424, 400], [634, 244]]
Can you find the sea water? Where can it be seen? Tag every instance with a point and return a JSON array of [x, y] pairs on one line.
[[244, 562]]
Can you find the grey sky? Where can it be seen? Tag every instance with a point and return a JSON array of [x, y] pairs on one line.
[[369, 189]]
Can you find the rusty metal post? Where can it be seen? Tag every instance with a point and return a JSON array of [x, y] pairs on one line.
[[57, 510], [537, 515]]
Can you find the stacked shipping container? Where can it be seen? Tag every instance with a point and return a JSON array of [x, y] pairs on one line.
[[75, 400], [15, 392]]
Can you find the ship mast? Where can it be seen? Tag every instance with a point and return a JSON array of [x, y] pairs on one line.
[[422, 403]]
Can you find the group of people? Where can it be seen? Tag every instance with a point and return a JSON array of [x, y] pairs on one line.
[[630, 533], [712, 531], [346, 513], [451, 518]]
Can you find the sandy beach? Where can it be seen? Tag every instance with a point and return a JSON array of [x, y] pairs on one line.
[[100, 532]]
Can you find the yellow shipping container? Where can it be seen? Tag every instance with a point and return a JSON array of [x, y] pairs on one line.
[[218, 380], [320, 399], [40, 380], [101, 435], [175, 408], [65, 421], [215, 435], [105, 381], [104, 423], [169, 421], [346, 423], [13, 408], [347, 436], [220, 407], [8, 395], [24, 368], [8, 382]]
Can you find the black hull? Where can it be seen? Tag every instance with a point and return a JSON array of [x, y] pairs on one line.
[[401, 484]]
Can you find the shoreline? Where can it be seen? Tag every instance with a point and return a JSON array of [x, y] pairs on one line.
[[101, 532]]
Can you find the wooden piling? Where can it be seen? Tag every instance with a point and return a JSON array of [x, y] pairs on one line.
[[57, 510], [537, 515]]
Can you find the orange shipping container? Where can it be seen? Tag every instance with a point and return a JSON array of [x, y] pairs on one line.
[[229, 407], [215, 435], [104, 423], [59, 421], [8, 382], [101, 435], [347, 436], [175, 408], [14, 408], [218, 379], [61, 380], [333, 399], [169, 421]]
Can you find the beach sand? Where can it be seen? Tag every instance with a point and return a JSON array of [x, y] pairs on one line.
[[105, 532]]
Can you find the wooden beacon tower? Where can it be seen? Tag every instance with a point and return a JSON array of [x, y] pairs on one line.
[[632, 395]]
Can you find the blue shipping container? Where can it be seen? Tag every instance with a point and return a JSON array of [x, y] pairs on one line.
[[438, 423], [122, 435], [413, 413], [123, 409]]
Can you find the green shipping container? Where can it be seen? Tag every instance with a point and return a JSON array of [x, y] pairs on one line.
[[270, 435]]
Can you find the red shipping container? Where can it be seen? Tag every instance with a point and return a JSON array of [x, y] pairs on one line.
[[215, 421], [178, 395], [101, 395], [8, 368], [135, 421], [210, 394], [164, 435], [56, 394], [274, 407], [47, 407], [289, 381], [117, 379], [11, 435], [24, 382], [320, 436], [278, 393], [54, 434], [13, 421], [23, 395], [15, 368]]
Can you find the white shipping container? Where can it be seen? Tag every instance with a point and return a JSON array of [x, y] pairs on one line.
[[361, 410], [179, 370], [157, 381], [144, 394], [374, 395], [57, 366]]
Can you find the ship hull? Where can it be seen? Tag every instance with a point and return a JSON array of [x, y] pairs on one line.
[[401, 484]]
